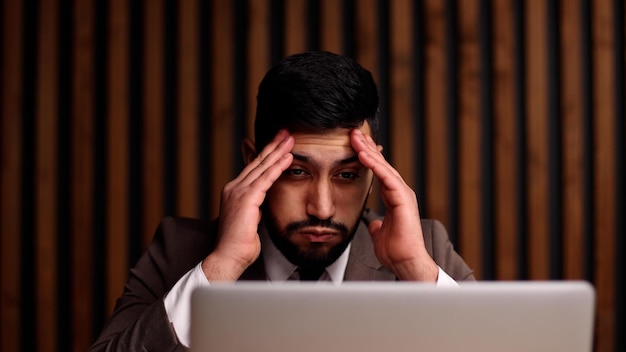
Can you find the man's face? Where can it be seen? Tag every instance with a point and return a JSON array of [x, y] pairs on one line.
[[313, 209]]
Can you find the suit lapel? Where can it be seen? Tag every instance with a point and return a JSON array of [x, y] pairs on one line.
[[362, 263]]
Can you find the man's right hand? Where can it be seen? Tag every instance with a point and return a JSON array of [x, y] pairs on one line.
[[238, 241]]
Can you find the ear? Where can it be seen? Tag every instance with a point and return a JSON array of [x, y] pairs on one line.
[[248, 149]]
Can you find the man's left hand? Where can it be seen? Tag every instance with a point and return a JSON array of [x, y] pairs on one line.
[[398, 238]]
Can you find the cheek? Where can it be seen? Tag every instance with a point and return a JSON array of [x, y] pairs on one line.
[[350, 201], [354, 195], [285, 203]]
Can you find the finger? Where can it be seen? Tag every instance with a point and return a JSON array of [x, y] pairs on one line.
[[278, 138], [374, 227], [264, 181], [372, 158], [268, 158], [365, 143], [253, 191]]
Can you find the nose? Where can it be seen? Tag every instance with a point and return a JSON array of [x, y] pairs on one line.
[[321, 202]]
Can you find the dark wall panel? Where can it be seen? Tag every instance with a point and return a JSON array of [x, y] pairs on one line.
[[506, 118]]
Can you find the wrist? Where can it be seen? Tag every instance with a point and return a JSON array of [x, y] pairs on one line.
[[417, 270], [217, 267]]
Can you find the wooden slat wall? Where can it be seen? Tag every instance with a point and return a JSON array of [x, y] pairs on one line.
[[506, 117]]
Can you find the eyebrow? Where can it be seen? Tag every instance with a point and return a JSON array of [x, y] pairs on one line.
[[307, 159]]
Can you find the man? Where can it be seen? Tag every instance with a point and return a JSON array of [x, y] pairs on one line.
[[296, 210]]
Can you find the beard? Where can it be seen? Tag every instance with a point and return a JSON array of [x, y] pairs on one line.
[[317, 255]]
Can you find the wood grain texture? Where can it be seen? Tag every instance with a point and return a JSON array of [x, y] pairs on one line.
[[604, 165], [505, 144], [536, 126], [118, 152], [437, 172], [46, 255], [572, 137], [53, 281], [10, 179], [222, 114], [258, 58], [366, 54], [470, 227], [295, 26], [152, 120], [187, 114], [401, 90], [331, 26], [82, 135]]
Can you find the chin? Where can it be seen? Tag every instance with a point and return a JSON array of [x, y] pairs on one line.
[[317, 255]]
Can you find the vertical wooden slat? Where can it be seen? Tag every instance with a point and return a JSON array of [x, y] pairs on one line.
[[619, 18], [487, 122], [152, 148], [437, 173], [401, 89], [571, 114], [258, 56], [366, 44], [46, 179], [554, 143], [536, 177], [82, 175], [469, 134], [223, 99], [604, 166], [504, 143], [295, 26], [366, 51], [188, 109], [10, 197], [117, 143], [330, 26]]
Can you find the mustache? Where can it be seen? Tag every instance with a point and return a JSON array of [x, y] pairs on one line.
[[315, 222]]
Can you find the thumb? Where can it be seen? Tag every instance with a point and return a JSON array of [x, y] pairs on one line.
[[374, 227]]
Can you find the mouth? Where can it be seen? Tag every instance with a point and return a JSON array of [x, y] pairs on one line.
[[318, 235]]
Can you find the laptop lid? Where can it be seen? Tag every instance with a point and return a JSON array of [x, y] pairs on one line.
[[393, 316]]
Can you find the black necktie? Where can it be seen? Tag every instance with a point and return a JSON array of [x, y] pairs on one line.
[[310, 274]]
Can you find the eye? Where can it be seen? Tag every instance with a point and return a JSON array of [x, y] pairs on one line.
[[296, 173], [347, 176]]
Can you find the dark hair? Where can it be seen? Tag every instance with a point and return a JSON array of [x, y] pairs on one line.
[[315, 91]]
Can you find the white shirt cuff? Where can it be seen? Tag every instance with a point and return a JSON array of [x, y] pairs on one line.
[[178, 302], [444, 280]]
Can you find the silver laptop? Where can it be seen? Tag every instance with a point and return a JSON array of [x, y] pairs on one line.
[[378, 316]]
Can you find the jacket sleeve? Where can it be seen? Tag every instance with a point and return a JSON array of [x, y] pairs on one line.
[[441, 249], [139, 321]]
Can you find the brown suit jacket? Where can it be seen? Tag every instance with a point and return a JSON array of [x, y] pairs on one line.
[[139, 321]]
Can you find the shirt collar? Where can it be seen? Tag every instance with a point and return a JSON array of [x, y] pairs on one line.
[[278, 268]]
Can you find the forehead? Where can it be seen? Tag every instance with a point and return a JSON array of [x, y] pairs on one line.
[[339, 137]]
